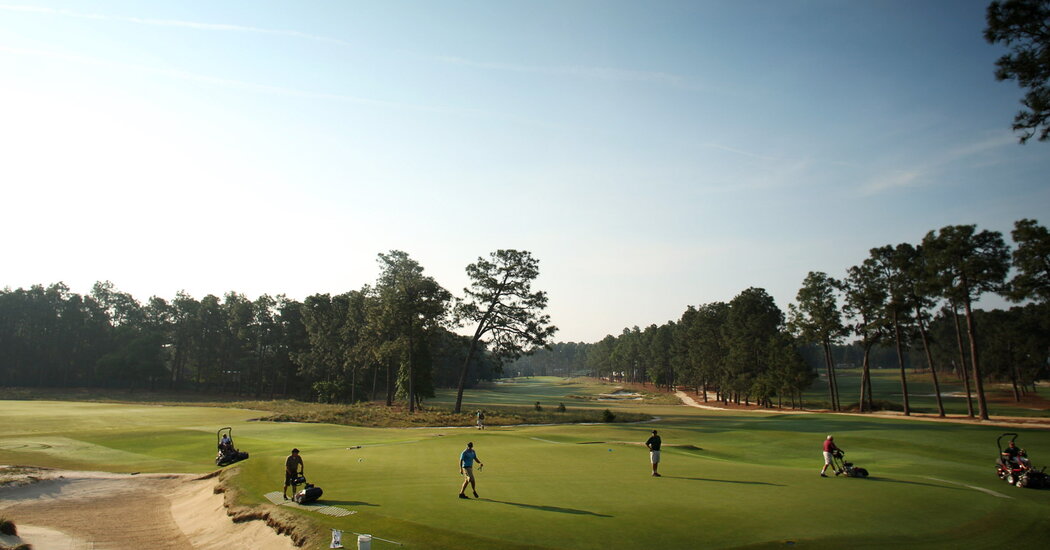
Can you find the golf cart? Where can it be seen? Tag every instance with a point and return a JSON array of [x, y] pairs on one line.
[[843, 467], [228, 454], [1018, 473]]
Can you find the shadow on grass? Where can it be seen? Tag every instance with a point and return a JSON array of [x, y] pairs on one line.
[[725, 481], [888, 480], [347, 502], [547, 508]]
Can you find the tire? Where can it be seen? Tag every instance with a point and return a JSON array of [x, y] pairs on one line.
[[1010, 478], [1022, 481]]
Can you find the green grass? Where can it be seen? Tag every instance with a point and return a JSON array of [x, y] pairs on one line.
[[886, 386], [436, 412], [731, 479]]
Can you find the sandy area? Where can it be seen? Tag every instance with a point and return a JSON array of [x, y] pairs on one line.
[[104, 511]]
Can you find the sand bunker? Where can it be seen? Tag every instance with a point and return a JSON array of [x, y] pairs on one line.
[[98, 510], [620, 395]]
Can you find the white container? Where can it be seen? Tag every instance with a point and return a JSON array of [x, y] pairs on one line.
[[364, 542]]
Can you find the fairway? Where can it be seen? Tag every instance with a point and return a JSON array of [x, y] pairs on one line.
[[731, 479]]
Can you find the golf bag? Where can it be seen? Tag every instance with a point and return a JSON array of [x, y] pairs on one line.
[[308, 494], [847, 468]]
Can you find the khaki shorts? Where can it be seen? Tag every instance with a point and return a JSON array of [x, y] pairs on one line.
[[827, 457], [654, 457], [468, 473]]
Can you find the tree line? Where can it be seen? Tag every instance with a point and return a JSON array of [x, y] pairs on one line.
[[738, 351], [394, 340], [915, 301], [895, 294]]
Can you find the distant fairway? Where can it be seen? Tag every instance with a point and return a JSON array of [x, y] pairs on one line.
[[730, 480], [886, 386]]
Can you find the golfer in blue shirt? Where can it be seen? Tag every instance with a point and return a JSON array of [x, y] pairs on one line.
[[466, 467]]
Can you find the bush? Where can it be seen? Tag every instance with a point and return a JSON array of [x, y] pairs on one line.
[[538, 407], [7, 528], [608, 416], [561, 407], [876, 405]]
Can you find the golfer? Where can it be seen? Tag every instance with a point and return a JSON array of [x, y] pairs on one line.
[[481, 419], [293, 468], [654, 451], [829, 447], [466, 467]]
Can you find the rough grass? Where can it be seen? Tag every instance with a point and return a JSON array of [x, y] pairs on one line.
[[379, 416], [14, 476], [375, 415]]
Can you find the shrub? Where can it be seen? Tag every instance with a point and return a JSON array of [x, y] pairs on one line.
[[608, 416], [7, 528], [561, 407], [538, 407]]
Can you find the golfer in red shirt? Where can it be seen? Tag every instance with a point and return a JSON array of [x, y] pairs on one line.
[[829, 447]]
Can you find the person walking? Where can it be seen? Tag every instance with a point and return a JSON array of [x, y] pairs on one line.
[[293, 468], [653, 443], [829, 449], [466, 467], [481, 419]]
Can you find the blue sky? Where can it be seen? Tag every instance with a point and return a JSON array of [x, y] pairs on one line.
[[652, 155]]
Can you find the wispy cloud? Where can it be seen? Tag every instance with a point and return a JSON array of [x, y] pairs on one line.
[[196, 25], [740, 152], [599, 73], [925, 172], [224, 82], [266, 88], [893, 180]]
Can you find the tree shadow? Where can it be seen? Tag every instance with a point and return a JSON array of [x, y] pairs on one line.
[[547, 508], [726, 481]]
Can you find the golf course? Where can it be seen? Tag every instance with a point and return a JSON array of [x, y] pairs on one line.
[[731, 478]]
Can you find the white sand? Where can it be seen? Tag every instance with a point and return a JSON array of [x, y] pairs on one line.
[[73, 510]]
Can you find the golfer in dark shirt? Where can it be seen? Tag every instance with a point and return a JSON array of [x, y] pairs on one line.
[[293, 468], [654, 451]]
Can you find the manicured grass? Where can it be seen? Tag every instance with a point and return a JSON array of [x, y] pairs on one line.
[[731, 479]]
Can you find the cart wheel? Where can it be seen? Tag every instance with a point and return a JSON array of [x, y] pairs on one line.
[[1010, 478]]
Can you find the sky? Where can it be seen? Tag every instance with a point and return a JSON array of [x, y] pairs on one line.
[[651, 155]]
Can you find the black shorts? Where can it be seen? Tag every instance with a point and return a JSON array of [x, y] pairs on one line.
[[290, 478]]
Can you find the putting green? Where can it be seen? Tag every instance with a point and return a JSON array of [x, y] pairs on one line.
[[730, 479]]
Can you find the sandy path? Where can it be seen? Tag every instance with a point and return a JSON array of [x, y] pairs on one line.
[[1007, 421], [105, 511]]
